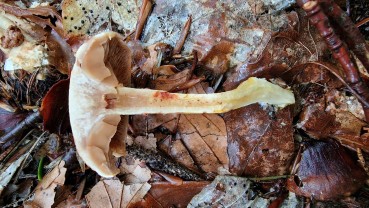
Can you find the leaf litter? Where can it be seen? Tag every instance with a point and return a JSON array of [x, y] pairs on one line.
[[247, 153]]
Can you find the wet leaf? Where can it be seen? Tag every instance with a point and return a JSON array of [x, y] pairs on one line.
[[45, 191], [326, 172], [228, 191], [260, 140], [54, 108]]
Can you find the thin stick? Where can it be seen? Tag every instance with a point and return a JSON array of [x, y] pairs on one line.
[[39, 140], [144, 13], [269, 178], [362, 22], [18, 130], [339, 51], [351, 34], [14, 149], [177, 49]]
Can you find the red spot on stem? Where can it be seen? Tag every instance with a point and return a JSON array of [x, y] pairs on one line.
[[165, 95]]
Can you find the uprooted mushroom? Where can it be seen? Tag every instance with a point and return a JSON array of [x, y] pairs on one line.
[[100, 99]]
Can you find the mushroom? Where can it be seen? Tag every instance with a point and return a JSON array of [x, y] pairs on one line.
[[99, 95]]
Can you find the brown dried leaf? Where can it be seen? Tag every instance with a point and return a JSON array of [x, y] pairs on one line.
[[163, 194], [208, 150], [279, 52], [326, 172], [41, 15], [169, 83], [134, 170], [45, 190], [333, 116], [201, 141], [54, 108], [260, 140], [114, 194], [220, 31], [142, 124], [61, 55]]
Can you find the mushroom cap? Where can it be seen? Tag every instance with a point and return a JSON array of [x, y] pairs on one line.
[[102, 63]]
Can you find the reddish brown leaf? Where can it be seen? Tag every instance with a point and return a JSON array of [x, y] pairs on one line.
[[282, 51], [260, 140], [54, 108], [164, 194], [335, 116], [326, 172]]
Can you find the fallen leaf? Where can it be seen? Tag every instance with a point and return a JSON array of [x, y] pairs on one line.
[[134, 170], [54, 108], [260, 140], [82, 17], [115, 194], [335, 115], [205, 137], [278, 53], [228, 191], [19, 191], [71, 202], [147, 142], [45, 191], [220, 30], [326, 172], [8, 173], [169, 83], [10, 119], [143, 124], [164, 194]]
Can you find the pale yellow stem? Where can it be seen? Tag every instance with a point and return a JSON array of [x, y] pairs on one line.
[[130, 101]]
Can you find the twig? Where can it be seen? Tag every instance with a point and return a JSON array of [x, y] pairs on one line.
[[269, 178], [39, 140], [339, 51], [157, 162], [14, 149], [24, 125], [351, 34], [362, 22], [144, 13], [177, 49]]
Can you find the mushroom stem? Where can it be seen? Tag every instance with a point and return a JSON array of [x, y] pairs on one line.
[[130, 101]]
